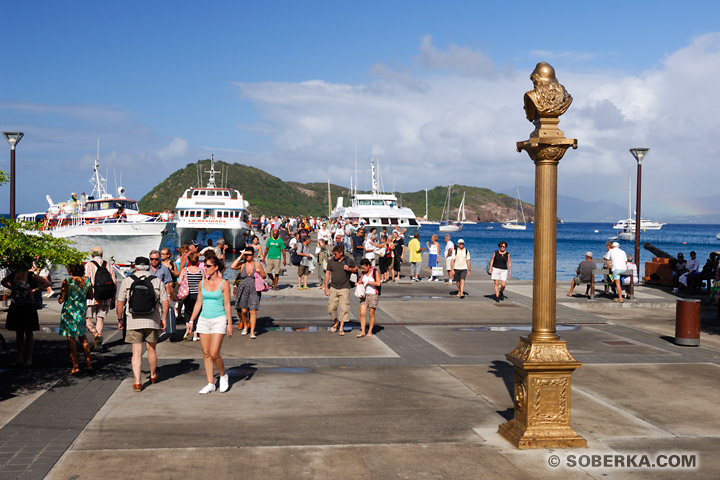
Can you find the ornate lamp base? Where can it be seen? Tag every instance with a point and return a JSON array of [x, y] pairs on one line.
[[542, 396]]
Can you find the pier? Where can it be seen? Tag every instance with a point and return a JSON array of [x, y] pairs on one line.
[[422, 398]]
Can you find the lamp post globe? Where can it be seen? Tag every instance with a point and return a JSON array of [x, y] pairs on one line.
[[13, 138]]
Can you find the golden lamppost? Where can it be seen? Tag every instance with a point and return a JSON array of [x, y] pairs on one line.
[[543, 365]]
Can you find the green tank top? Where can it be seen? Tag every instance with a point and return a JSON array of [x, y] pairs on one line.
[[213, 303]]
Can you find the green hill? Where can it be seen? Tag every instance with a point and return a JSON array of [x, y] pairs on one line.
[[270, 195]]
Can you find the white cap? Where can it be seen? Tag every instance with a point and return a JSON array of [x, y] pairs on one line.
[[615, 244], [588, 254], [461, 241]]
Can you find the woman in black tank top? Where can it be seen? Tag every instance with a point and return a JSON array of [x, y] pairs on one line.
[[500, 269]]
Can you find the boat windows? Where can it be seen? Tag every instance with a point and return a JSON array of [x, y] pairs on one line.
[[412, 221], [211, 193], [364, 202], [378, 202], [402, 221], [196, 193], [385, 221], [203, 193], [226, 194]]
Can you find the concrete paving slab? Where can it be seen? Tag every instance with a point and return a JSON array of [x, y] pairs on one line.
[[592, 419], [278, 343], [456, 311], [291, 406], [279, 311], [672, 397], [584, 342], [376, 462], [9, 407]]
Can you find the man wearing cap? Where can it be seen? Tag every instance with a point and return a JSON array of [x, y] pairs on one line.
[[337, 287], [274, 248], [584, 274], [142, 327], [618, 265], [460, 267], [97, 310]]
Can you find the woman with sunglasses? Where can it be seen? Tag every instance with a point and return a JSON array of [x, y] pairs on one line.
[[212, 311], [500, 270], [247, 298]]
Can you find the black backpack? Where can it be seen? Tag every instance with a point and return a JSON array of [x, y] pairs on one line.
[[104, 287], [142, 299], [295, 259]]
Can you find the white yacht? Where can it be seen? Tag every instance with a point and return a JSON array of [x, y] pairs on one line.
[[211, 209], [426, 219], [629, 223], [447, 225], [377, 209], [513, 224], [463, 219], [111, 222]]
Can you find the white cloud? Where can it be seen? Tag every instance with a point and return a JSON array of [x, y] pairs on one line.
[[456, 120], [177, 147]]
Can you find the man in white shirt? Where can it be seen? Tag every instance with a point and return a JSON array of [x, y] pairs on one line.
[[618, 265], [448, 252]]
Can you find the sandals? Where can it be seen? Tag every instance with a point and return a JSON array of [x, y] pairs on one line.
[[154, 379], [333, 329], [618, 300], [360, 335], [75, 371], [137, 387]]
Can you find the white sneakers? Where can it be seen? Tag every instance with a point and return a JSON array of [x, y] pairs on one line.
[[210, 387]]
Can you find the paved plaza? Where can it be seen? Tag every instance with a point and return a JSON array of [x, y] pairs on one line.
[[422, 398]]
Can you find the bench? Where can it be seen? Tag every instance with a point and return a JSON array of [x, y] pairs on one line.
[[601, 269]]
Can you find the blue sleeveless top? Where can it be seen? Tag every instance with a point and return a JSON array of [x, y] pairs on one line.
[[213, 303]]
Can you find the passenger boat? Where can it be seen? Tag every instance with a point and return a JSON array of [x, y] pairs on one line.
[[376, 209], [112, 222], [204, 210], [447, 225], [513, 224]]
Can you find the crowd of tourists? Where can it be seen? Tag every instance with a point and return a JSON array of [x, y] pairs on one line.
[[348, 259]]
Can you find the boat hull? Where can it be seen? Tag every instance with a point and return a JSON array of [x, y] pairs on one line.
[[234, 237], [513, 227], [122, 242], [450, 228]]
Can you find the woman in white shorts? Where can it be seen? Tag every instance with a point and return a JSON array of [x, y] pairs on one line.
[[212, 310], [500, 269]]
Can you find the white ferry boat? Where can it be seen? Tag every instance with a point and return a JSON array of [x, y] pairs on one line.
[[111, 222], [212, 209], [629, 223], [377, 209]]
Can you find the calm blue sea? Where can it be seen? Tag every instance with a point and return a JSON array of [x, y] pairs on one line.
[[573, 240]]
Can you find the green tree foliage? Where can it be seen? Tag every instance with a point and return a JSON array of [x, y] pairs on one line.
[[22, 242], [4, 177]]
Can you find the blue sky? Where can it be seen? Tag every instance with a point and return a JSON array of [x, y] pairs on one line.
[[433, 89]]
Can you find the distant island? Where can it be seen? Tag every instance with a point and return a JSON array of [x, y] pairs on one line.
[[270, 195]]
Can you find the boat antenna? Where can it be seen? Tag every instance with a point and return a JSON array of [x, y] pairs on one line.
[[355, 170], [97, 181], [211, 180]]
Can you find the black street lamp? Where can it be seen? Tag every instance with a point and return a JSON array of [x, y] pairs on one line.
[[13, 138], [639, 154]]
